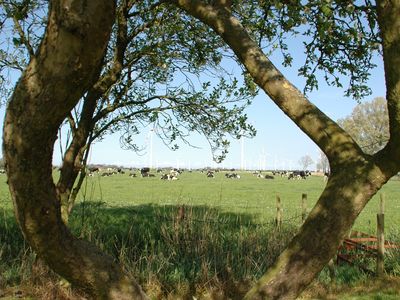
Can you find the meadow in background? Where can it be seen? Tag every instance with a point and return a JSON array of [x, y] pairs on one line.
[[194, 236]]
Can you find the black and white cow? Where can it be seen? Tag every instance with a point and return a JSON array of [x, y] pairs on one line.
[[145, 172], [169, 177], [298, 175], [232, 175]]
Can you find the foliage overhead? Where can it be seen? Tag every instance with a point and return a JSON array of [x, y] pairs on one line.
[[340, 38], [150, 76]]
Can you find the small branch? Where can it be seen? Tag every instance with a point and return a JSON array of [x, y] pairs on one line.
[[24, 40]]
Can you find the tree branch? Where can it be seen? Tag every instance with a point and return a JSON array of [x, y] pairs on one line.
[[319, 127]]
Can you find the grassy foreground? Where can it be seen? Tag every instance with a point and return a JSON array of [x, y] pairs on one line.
[[202, 237]]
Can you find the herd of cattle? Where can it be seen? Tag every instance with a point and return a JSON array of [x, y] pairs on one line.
[[173, 173]]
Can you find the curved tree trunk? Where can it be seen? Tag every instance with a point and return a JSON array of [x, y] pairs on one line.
[[355, 176], [64, 67], [346, 194]]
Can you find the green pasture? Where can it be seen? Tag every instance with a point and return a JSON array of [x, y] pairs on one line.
[[248, 195], [226, 238]]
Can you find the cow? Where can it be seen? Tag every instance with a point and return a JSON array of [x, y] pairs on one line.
[[232, 175], [210, 174], [148, 175], [145, 172], [168, 177], [298, 175], [269, 176], [93, 169], [106, 174]]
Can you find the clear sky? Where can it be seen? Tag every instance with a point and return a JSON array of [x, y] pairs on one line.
[[279, 143]]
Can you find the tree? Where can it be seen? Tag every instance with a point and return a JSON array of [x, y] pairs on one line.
[[306, 161], [368, 124], [54, 82], [138, 85], [355, 175], [58, 74]]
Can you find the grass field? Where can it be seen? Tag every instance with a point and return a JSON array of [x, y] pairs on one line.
[[226, 240], [248, 195]]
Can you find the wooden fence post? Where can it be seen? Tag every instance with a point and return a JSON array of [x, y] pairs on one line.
[[303, 207], [380, 235], [278, 218]]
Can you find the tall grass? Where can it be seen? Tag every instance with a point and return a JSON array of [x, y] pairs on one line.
[[176, 245], [178, 238], [195, 249]]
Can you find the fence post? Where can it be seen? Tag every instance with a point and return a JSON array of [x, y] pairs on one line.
[[303, 207], [278, 218], [380, 235]]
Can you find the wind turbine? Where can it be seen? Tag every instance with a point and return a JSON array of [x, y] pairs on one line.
[[263, 159], [150, 141]]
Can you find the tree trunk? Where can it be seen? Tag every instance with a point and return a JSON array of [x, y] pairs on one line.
[[355, 176], [73, 160], [319, 238], [65, 66], [74, 157]]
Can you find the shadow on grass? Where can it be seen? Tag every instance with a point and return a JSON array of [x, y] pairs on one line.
[[184, 247], [178, 247]]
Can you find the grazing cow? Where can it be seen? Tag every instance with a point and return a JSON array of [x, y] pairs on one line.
[[132, 175], [281, 173], [168, 177], [298, 175], [106, 174], [93, 169], [232, 175], [148, 175], [145, 172], [210, 174], [174, 172]]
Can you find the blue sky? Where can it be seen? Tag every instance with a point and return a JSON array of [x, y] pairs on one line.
[[279, 143]]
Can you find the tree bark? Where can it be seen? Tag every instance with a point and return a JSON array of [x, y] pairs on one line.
[[73, 157], [73, 160], [355, 176], [66, 64]]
